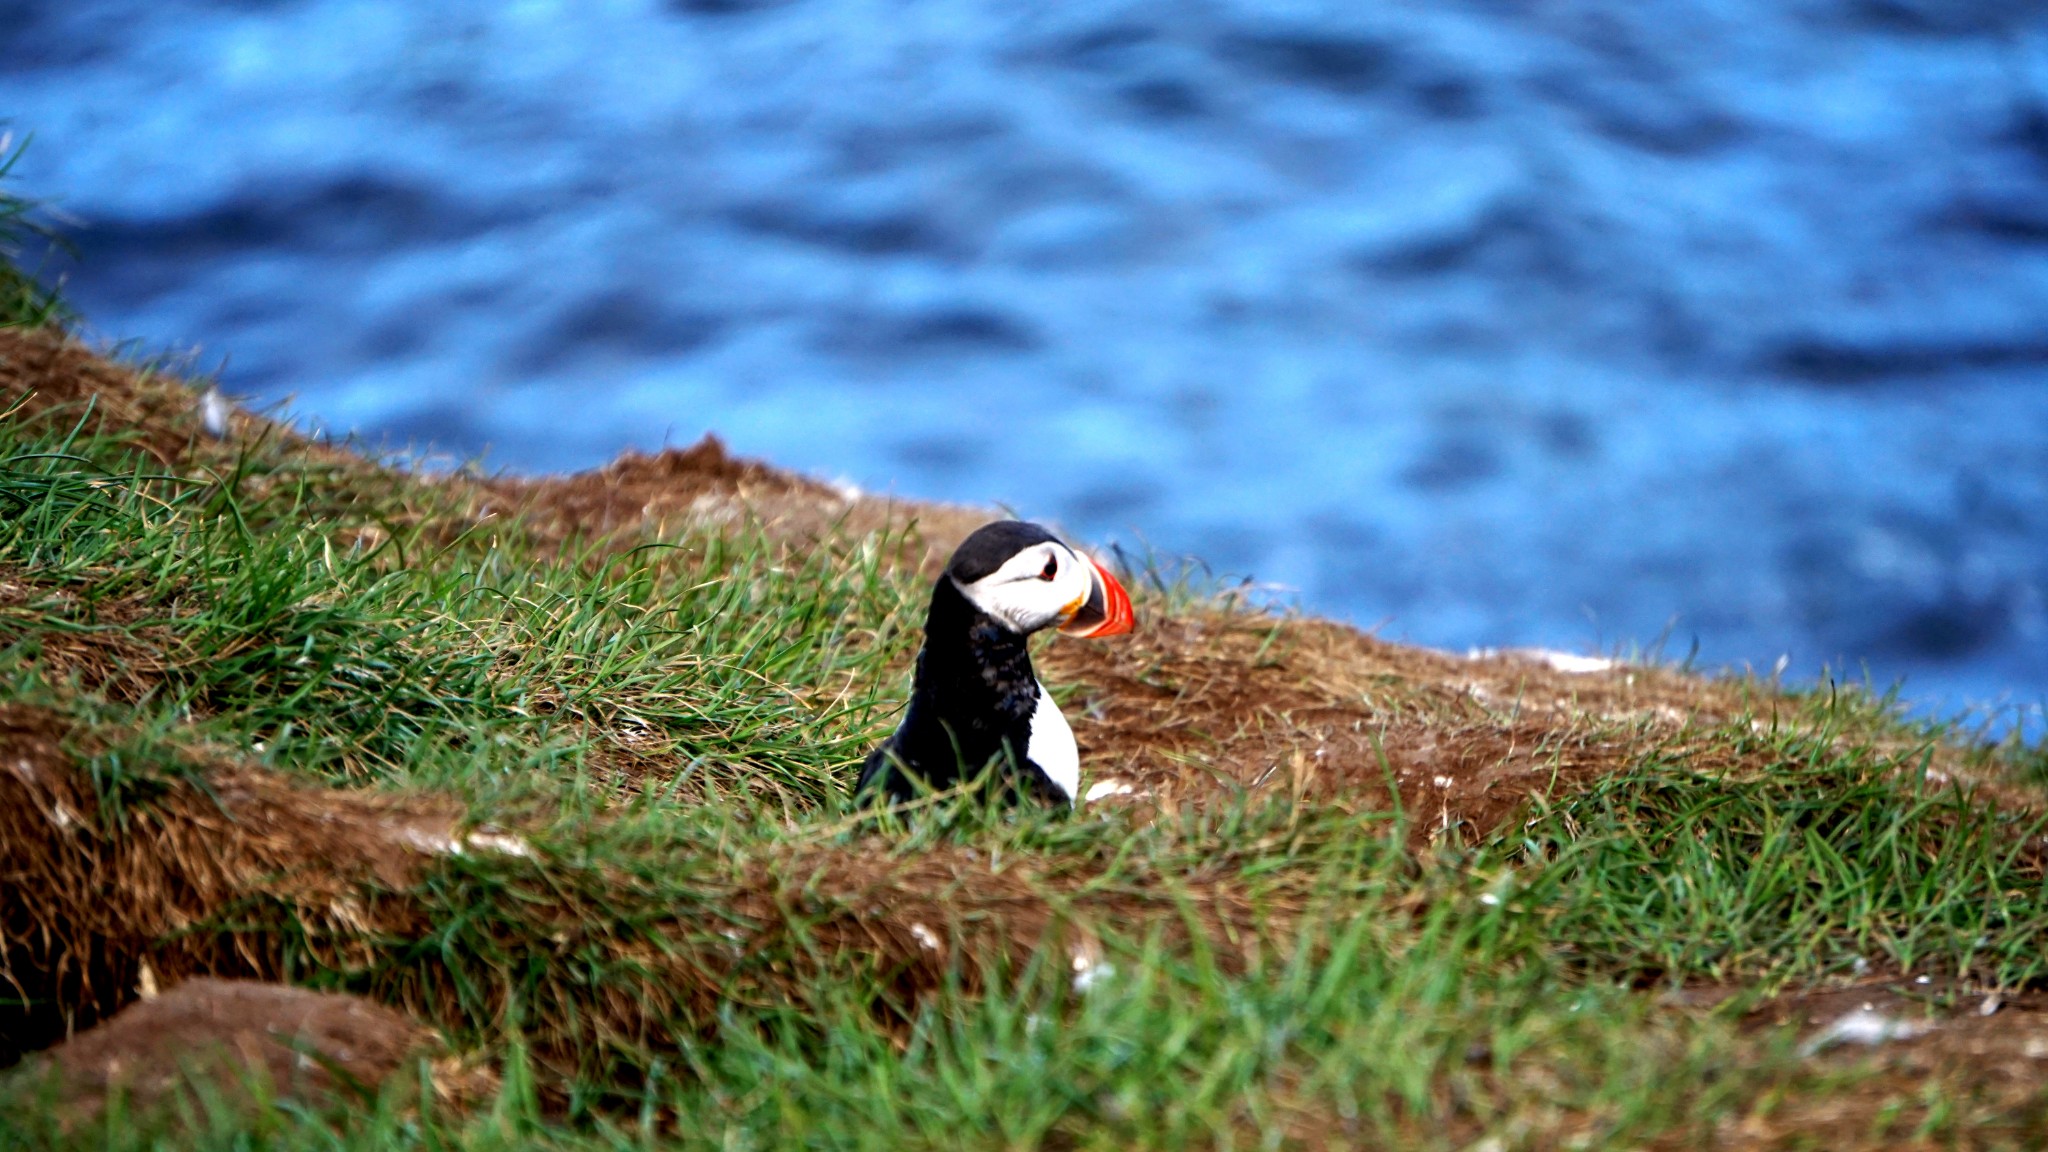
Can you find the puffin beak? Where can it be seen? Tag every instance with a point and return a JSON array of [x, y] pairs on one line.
[[1106, 611]]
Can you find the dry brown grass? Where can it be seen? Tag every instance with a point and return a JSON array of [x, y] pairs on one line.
[[100, 904], [1219, 700], [53, 384], [110, 648], [58, 382], [1234, 702]]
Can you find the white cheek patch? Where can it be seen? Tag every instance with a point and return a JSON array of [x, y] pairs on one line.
[[1017, 596], [1000, 601], [1053, 748]]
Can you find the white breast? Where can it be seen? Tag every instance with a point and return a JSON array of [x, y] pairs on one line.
[[1053, 748]]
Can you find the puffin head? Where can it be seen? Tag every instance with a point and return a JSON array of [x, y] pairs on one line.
[[1024, 577]]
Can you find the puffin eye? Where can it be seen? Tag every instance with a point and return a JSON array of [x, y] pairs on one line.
[[1052, 568]]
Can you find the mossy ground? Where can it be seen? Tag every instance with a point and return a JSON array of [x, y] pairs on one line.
[[558, 767]]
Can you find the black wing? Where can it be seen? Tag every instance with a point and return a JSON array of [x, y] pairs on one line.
[[879, 777]]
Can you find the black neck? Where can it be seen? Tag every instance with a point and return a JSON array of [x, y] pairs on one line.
[[973, 694], [972, 663], [971, 702]]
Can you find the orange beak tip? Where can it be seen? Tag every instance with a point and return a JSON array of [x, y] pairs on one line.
[[1118, 618]]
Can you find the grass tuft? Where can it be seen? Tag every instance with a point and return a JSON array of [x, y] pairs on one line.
[[1821, 860], [24, 233]]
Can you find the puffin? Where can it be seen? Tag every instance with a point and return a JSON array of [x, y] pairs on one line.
[[974, 699]]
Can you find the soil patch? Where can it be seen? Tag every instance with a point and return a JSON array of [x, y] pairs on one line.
[[640, 497], [678, 486], [236, 1041]]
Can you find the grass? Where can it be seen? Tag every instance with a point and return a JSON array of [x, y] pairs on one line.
[[698, 944], [24, 301], [1826, 861]]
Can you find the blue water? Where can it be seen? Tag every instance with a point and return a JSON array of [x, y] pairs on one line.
[[1578, 324]]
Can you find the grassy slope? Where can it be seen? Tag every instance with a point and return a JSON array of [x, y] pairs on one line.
[[701, 946]]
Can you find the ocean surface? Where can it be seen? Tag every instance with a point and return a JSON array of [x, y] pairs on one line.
[[1710, 328]]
